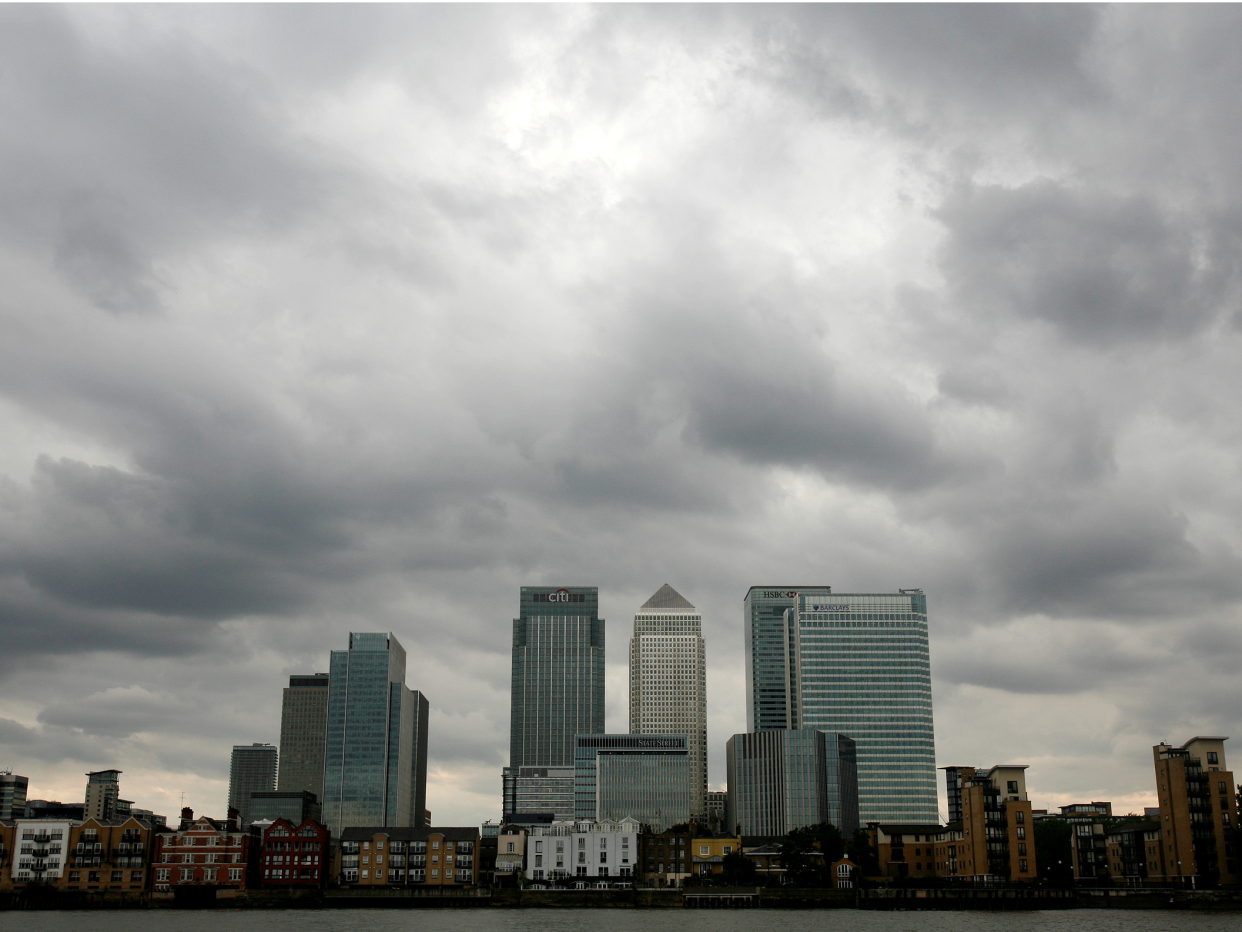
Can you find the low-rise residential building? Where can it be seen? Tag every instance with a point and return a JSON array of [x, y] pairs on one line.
[[40, 851], [665, 858], [95, 855], [907, 850], [424, 857], [767, 861], [510, 853], [1198, 812], [206, 853], [605, 851], [1135, 855], [992, 838], [295, 854]]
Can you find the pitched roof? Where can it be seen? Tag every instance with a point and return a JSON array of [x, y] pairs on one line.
[[666, 597]]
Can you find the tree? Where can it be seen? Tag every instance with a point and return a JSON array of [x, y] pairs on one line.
[[864, 854], [738, 870], [807, 852], [1053, 859]]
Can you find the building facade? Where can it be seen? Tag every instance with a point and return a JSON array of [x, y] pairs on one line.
[[423, 857], [784, 780], [994, 840], [295, 854], [603, 851], [103, 792], [768, 656], [643, 777], [1198, 812], [668, 680], [375, 763], [252, 769], [295, 807], [539, 790], [510, 853], [204, 853], [88, 856], [907, 850], [303, 731], [13, 789], [557, 684]]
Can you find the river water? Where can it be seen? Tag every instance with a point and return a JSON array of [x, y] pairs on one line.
[[614, 920]]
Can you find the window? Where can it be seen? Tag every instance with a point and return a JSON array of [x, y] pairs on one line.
[[1022, 866], [510, 848], [1021, 832], [435, 845], [703, 850], [1019, 817], [728, 849], [365, 873], [434, 872], [1212, 757], [379, 845], [118, 877]]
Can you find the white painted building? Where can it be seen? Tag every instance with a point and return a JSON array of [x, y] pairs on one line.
[[41, 849], [601, 851], [668, 681]]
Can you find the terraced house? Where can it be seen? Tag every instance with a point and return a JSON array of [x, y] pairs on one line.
[[425, 857]]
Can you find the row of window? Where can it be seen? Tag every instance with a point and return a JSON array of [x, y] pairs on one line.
[[186, 874]]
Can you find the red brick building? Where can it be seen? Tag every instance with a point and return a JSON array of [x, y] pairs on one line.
[[294, 855], [211, 854]]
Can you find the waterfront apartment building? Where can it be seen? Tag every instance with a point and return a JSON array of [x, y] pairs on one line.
[[784, 780], [203, 852], [556, 680], [643, 777], [1198, 812], [251, 770], [13, 790], [103, 792], [908, 850], [90, 856], [295, 853], [994, 839], [375, 751], [602, 850], [668, 680], [381, 857], [303, 730]]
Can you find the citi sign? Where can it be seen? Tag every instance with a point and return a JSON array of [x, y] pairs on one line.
[[560, 595]]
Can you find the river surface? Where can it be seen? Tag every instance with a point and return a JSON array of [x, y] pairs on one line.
[[613, 920]]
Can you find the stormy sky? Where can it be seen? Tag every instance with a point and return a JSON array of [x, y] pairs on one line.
[[319, 319]]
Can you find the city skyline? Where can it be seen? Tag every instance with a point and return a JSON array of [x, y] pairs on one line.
[[325, 319]]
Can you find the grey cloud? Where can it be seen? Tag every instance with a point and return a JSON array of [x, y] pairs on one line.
[[1103, 270]]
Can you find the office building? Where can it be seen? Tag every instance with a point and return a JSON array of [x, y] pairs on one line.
[[1198, 812], [375, 757], [993, 840], [303, 724], [583, 848], [668, 680], [295, 807], [252, 770], [717, 806], [643, 777], [784, 780], [558, 675], [858, 665], [13, 795], [539, 790], [103, 790]]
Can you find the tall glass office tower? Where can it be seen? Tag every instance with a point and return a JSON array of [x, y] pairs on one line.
[[375, 749], [557, 685], [252, 770], [303, 718], [767, 654], [668, 680], [860, 666], [643, 777]]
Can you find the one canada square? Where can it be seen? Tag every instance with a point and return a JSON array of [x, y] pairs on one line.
[[856, 665], [668, 680]]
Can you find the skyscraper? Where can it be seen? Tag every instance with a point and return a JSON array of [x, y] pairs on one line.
[[856, 665], [558, 675], [13, 789], [303, 724], [668, 680], [643, 777], [375, 746], [788, 779], [103, 789], [253, 769], [767, 654]]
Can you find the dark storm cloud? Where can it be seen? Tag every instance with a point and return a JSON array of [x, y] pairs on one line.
[[1101, 269]]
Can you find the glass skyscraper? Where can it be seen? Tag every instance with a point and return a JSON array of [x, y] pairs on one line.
[[767, 654], [668, 680], [860, 666], [557, 684], [252, 769], [375, 758], [643, 777], [788, 779]]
